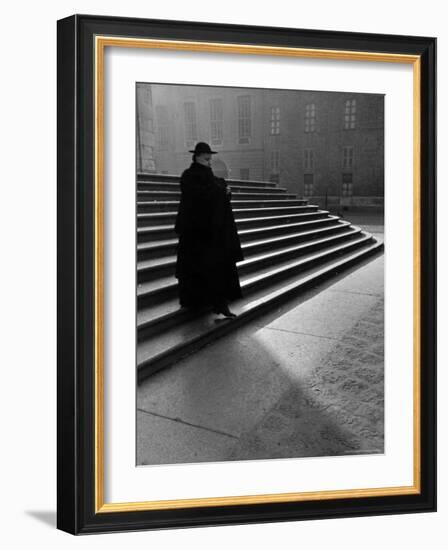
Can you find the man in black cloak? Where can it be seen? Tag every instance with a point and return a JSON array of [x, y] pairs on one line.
[[209, 245]]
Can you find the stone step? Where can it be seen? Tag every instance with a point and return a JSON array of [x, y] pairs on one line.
[[169, 216], [154, 249], [155, 267], [157, 240], [151, 196], [142, 177], [157, 317], [180, 339], [151, 317], [235, 187], [153, 292], [169, 206], [166, 232]]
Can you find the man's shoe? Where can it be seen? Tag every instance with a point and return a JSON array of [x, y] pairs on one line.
[[224, 310]]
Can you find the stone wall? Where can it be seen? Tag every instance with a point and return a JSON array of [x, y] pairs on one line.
[[255, 160]]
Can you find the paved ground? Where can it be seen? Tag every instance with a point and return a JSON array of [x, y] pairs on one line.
[[370, 221], [305, 380]]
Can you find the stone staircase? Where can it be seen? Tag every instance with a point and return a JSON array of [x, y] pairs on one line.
[[289, 245]]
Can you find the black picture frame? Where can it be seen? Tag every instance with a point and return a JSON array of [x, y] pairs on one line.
[[77, 497]]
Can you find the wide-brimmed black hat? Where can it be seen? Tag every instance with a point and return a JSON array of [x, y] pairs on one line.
[[202, 147]]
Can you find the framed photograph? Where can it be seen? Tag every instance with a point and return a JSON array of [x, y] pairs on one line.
[[246, 274]]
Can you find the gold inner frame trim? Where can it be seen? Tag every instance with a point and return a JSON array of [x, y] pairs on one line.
[[101, 42]]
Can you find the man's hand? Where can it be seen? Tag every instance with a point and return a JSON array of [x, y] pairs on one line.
[[222, 183]]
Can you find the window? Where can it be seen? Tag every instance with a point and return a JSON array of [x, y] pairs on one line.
[[216, 121], [308, 159], [275, 120], [347, 185], [244, 173], [244, 119], [308, 185], [191, 131], [162, 126], [350, 114], [310, 117], [347, 158]]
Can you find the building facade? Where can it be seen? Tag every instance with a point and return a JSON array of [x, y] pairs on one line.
[[324, 146]]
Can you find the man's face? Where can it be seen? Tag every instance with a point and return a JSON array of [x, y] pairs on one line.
[[205, 159]]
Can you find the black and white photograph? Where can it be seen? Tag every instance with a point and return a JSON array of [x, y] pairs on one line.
[[223, 266], [259, 273]]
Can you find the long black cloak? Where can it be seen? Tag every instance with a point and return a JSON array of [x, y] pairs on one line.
[[209, 245]]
